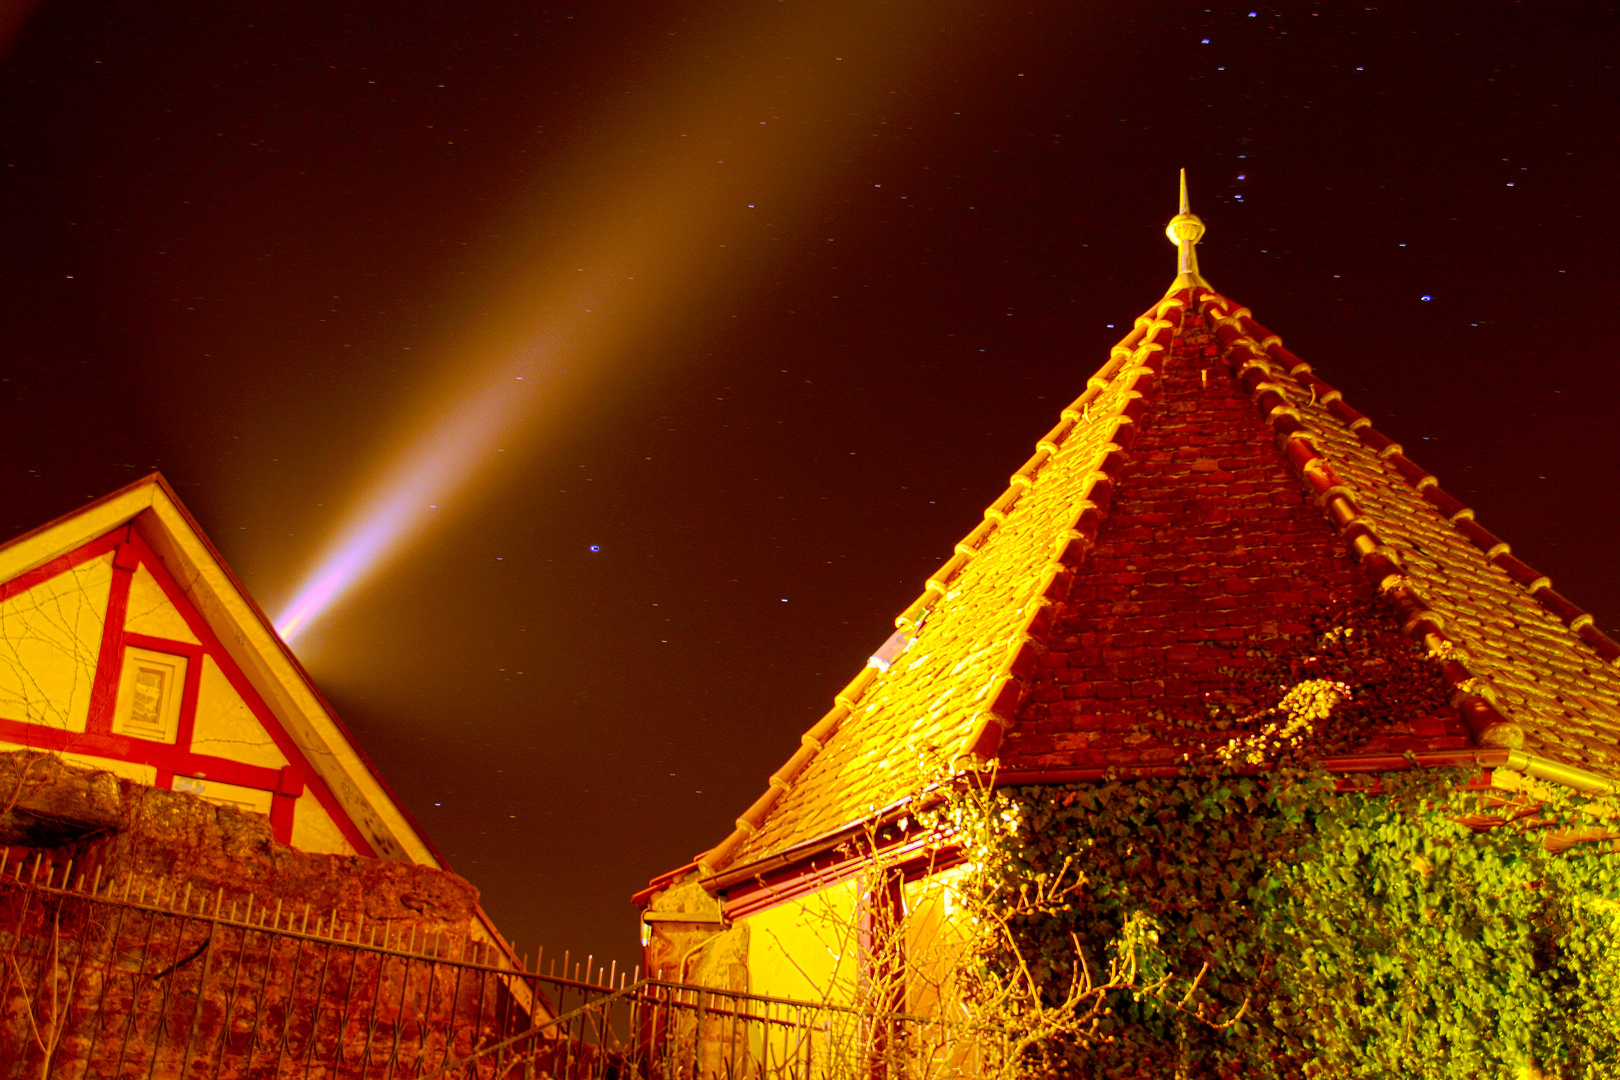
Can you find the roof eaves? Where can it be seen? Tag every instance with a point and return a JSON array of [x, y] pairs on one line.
[[1532, 765], [851, 832], [1140, 354]]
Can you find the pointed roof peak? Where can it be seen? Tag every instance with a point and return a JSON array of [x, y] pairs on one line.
[[1200, 496], [1184, 231]]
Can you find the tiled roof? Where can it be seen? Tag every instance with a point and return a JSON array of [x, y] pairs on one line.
[[1206, 489]]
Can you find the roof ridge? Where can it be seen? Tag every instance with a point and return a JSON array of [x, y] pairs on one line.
[[1239, 333], [1387, 511], [1131, 355]]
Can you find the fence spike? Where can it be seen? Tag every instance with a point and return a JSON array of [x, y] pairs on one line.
[[185, 901], [95, 883], [305, 928], [219, 898], [613, 973], [388, 924], [275, 920], [247, 916], [38, 858], [359, 922], [5, 857], [565, 963], [638, 974], [67, 874]]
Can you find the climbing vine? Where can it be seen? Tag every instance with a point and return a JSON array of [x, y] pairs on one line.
[[1416, 929], [1420, 923]]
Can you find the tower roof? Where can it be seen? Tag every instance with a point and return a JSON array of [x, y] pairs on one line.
[[1207, 490]]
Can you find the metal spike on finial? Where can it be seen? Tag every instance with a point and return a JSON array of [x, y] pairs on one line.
[[1184, 231]]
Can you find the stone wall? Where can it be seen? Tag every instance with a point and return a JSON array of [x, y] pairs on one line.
[[185, 941]]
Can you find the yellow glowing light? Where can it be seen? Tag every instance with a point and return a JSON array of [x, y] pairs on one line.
[[622, 247]]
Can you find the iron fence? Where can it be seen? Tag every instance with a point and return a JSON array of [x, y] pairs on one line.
[[140, 980]]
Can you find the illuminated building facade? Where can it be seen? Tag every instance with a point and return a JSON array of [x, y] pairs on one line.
[[127, 645], [1207, 492]]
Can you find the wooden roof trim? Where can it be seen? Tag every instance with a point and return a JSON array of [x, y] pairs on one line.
[[1136, 352]]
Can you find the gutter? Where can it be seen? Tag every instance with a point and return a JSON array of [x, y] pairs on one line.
[[1558, 773], [1518, 761]]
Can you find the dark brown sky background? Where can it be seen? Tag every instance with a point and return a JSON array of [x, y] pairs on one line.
[[244, 242]]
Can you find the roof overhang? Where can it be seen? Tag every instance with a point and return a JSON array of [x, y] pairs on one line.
[[839, 853]]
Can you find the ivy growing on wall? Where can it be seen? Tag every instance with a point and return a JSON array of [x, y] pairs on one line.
[[1417, 924], [1409, 931]]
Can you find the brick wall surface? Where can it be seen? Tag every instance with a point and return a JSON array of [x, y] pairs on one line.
[[1210, 547]]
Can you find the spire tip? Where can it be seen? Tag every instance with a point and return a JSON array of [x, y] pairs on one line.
[[1184, 231]]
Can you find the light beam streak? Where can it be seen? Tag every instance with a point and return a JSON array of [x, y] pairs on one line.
[[423, 482], [647, 218]]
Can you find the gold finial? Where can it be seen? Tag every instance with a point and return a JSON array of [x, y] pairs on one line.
[[1184, 231]]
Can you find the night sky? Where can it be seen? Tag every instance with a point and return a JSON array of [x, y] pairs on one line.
[[797, 286]]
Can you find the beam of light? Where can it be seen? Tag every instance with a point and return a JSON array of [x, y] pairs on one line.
[[422, 483], [634, 243]]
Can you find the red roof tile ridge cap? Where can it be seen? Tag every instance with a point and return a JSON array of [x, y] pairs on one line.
[[1256, 366], [1460, 517], [1132, 347], [1068, 550]]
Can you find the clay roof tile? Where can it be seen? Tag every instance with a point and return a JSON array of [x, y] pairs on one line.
[[951, 687]]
